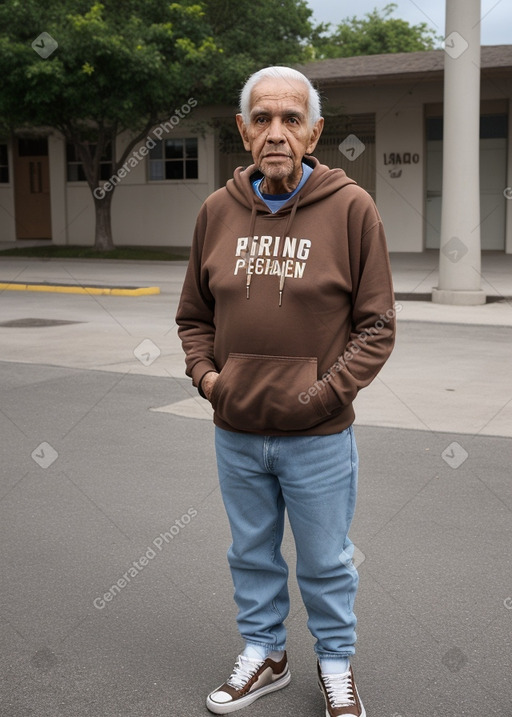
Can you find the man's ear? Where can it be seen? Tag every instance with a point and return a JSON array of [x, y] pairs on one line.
[[243, 132], [315, 135]]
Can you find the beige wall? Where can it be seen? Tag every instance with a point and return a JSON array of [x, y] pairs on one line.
[[400, 166], [508, 220], [7, 214], [399, 130], [143, 212]]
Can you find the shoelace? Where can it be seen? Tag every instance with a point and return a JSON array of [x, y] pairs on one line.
[[340, 689], [243, 670]]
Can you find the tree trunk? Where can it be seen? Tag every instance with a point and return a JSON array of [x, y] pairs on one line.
[[103, 235]]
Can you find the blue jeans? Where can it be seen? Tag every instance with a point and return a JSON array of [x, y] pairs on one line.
[[315, 478]]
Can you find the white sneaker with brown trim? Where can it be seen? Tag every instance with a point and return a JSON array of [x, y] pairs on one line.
[[249, 680], [340, 694]]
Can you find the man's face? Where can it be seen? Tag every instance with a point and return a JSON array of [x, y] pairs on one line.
[[279, 134]]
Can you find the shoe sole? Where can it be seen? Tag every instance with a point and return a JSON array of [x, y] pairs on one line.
[[227, 708], [363, 711]]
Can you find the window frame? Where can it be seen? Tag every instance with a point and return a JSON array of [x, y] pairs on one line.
[[183, 160], [105, 164]]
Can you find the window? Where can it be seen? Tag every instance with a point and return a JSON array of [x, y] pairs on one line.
[[174, 159], [491, 127], [76, 170], [33, 147], [4, 164]]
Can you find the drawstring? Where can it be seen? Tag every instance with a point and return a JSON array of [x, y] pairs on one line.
[[281, 287], [291, 217], [248, 276], [252, 238]]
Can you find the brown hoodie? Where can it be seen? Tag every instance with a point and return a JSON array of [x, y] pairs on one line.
[[294, 309]]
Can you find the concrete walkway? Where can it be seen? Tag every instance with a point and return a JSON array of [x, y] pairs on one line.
[[414, 276], [418, 273], [449, 356]]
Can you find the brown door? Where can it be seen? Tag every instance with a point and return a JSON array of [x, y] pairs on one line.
[[32, 189]]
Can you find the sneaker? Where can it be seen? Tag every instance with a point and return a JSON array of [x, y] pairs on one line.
[[340, 694], [249, 680]]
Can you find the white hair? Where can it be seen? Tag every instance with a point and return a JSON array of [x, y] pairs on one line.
[[314, 108]]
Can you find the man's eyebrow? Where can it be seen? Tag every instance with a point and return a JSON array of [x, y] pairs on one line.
[[292, 112]]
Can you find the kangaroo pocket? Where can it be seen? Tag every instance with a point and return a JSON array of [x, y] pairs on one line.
[[268, 393]]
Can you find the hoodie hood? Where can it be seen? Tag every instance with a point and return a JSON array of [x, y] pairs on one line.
[[321, 183]]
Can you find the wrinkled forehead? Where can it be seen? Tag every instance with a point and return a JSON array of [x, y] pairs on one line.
[[281, 91]]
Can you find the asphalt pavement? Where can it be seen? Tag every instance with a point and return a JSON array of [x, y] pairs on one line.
[[116, 595]]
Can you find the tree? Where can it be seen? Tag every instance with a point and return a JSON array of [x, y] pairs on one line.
[[124, 66], [119, 66], [258, 33], [376, 33]]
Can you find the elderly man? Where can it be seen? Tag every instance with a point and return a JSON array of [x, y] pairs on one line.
[[286, 312]]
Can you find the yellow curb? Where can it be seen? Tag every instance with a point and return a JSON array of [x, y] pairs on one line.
[[143, 291], [71, 289]]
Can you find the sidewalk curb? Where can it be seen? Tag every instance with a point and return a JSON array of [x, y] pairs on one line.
[[80, 260], [75, 289], [427, 296]]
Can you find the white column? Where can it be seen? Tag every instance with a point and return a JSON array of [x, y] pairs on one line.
[[508, 189], [58, 201], [460, 256]]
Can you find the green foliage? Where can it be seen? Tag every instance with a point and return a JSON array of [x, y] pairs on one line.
[[255, 34], [376, 33], [127, 65], [118, 63]]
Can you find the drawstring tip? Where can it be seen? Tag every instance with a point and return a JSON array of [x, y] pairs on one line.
[[247, 292], [280, 298]]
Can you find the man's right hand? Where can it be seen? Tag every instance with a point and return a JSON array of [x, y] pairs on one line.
[[208, 383]]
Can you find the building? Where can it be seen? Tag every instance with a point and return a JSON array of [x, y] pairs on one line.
[[384, 126]]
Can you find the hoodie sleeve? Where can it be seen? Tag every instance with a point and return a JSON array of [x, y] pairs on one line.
[[372, 334], [195, 314]]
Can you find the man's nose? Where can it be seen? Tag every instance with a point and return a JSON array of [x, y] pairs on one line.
[[275, 131]]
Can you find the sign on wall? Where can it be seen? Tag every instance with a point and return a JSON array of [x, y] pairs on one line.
[[396, 160]]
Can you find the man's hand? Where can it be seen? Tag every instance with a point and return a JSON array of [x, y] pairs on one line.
[[208, 383]]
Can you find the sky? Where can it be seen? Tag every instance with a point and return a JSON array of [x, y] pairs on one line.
[[496, 15]]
